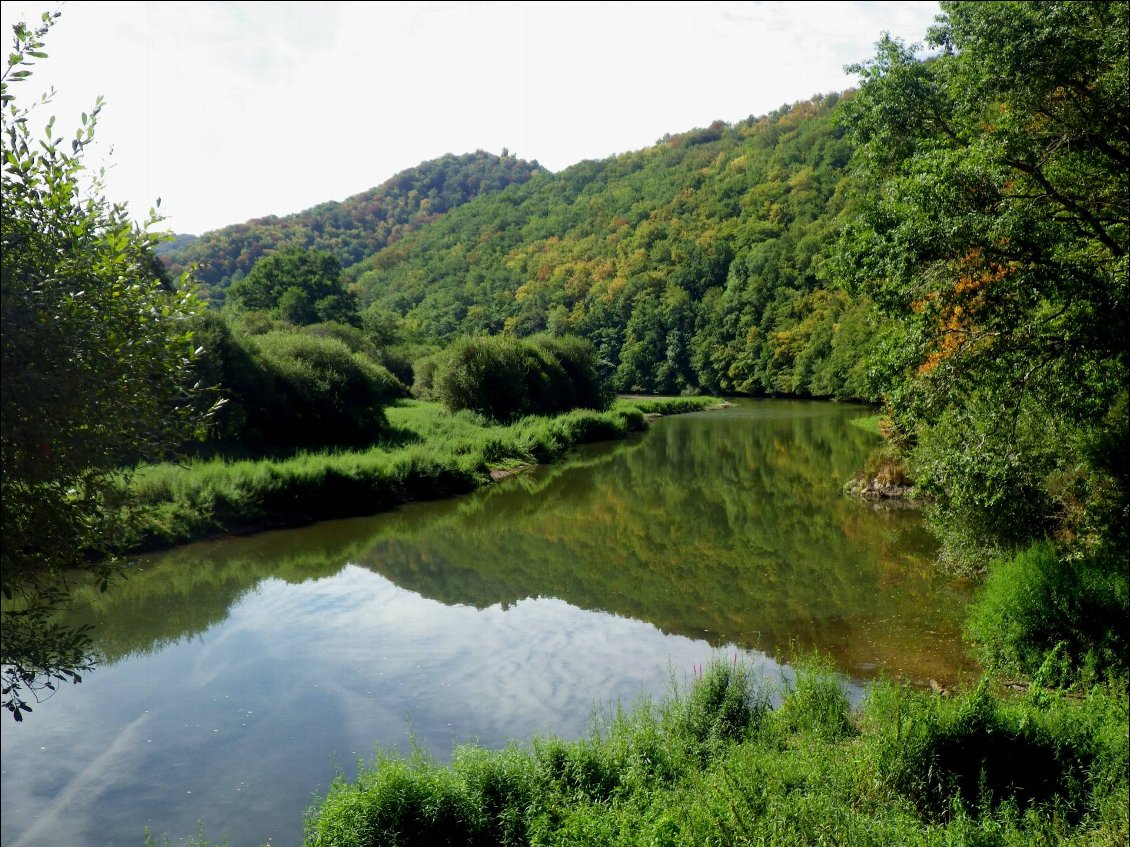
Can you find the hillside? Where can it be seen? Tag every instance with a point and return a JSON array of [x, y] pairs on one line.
[[695, 264], [356, 227]]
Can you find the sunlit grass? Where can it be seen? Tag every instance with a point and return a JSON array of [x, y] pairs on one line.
[[428, 454], [715, 764]]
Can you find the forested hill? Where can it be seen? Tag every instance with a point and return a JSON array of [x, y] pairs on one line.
[[693, 264], [356, 227]]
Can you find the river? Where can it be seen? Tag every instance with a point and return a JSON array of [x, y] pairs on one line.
[[240, 675]]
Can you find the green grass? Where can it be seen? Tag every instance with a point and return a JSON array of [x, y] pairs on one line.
[[868, 423], [715, 764], [430, 454]]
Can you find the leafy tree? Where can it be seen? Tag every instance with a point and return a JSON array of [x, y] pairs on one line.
[[996, 237], [96, 355], [297, 285]]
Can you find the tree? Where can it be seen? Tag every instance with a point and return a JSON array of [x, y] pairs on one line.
[[96, 357], [996, 235], [298, 285]]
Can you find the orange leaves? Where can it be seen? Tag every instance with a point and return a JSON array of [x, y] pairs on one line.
[[956, 310]]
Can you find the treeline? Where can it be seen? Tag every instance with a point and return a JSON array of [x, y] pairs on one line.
[[695, 265], [354, 228]]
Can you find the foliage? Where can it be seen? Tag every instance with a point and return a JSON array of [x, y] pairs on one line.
[[1034, 604], [288, 389], [97, 350], [357, 226], [694, 265], [298, 286], [996, 235], [918, 770], [816, 704], [981, 753], [506, 378]]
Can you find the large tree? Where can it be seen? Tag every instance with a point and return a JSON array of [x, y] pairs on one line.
[[996, 235], [299, 285], [97, 354]]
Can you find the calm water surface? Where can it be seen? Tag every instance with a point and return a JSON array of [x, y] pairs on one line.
[[241, 675]]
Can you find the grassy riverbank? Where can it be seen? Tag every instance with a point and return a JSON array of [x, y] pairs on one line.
[[720, 765], [430, 454]]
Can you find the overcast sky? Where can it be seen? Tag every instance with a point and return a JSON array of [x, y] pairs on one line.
[[229, 111]]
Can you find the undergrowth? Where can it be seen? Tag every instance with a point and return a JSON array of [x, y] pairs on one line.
[[719, 764]]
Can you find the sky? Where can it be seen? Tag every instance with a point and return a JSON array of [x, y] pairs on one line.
[[229, 111]]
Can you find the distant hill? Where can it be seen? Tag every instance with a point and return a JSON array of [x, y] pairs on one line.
[[179, 242], [694, 264], [353, 228]]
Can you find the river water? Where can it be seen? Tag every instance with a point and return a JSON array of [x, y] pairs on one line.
[[239, 676]]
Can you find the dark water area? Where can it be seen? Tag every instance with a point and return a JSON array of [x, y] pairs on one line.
[[240, 675]]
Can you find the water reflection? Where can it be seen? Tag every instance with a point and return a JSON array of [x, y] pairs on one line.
[[726, 526], [237, 669]]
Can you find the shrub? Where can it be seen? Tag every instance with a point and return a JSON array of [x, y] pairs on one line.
[[583, 388], [502, 378], [816, 703], [424, 373], [724, 705], [322, 394], [973, 755], [1038, 600], [288, 389]]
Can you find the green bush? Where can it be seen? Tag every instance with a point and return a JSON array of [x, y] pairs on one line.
[[723, 706], [506, 378], [815, 703], [583, 387], [291, 389], [986, 471], [973, 754], [424, 373], [1038, 601]]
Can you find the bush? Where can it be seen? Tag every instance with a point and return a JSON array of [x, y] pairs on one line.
[[584, 388], [323, 394], [815, 703], [723, 706], [287, 389], [424, 373], [1038, 600], [507, 378], [973, 755]]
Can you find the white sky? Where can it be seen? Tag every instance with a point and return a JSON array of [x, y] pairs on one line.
[[231, 110]]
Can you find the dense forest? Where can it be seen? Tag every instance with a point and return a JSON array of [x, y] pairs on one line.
[[353, 228], [694, 265]]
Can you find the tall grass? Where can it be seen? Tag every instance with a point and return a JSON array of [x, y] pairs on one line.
[[430, 454], [715, 764]]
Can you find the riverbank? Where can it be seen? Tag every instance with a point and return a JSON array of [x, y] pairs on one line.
[[723, 763], [431, 454]]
